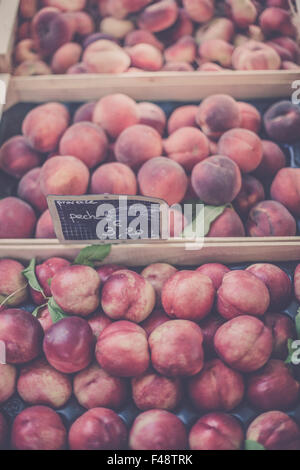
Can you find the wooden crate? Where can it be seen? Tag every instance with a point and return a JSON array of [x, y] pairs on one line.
[[8, 28]]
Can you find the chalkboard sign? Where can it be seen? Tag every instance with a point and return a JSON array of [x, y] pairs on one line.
[[107, 218]]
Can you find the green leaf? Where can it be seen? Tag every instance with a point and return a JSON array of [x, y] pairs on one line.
[[55, 311], [211, 213], [36, 312], [30, 275], [92, 254], [253, 445], [290, 351], [297, 322]]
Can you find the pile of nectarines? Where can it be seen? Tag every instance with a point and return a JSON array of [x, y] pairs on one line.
[[221, 152], [116, 36], [213, 337]]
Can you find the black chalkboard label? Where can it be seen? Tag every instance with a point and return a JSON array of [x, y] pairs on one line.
[[107, 218]]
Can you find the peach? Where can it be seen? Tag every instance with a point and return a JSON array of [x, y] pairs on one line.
[[155, 319], [251, 298], [177, 67], [217, 114], [216, 50], [153, 391], [243, 12], [275, 430], [210, 67], [50, 30], [184, 116], [244, 343], [65, 57], [209, 327], [85, 112], [183, 26], [30, 191], [282, 121], [283, 329], [28, 8], [160, 16], [44, 273], [255, 32], [114, 178], [270, 219], [85, 141], [287, 65], [273, 160], [157, 430], [84, 23], [38, 428], [277, 3], [122, 350], [152, 115], [32, 68], [187, 146], [45, 319], [129, 6], [65, 5], [93, 387], [68, 345], [13, 285], [127, 295], [216, 180], [64, 176], [141, 36], [228, 224], [44, 125], [286, 47], [114, 113], [244, 147], [158, 274], [145, 57], [45, 227], [8, 379], [200, 11], [255, 55], [176, 348], [105, 56], [184, 50], [108, 42], [98, 322], [25, 50], [217, 387], [118, 28], [277, 282], [216, 431], [252, 192], [213, 147], [41, 384], [251, 118], [138, 144], [17, 157], [22, 335], [106, 270], [188, 295], [3, 431], [76, 290], [277, 20], [218, 28], [17, 218], [215, 271]]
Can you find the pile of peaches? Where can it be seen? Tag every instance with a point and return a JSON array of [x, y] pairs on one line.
[[117, 36], [210, 153], [212, 337]]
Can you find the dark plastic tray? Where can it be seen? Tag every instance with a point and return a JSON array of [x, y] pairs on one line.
[[245, 412]]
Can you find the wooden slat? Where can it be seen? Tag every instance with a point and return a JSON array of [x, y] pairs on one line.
[[8, 27], [4, 85]]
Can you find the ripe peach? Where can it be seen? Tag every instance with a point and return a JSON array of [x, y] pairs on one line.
[[45, 227], [122, 349], [216, 431], [188, 295], [244, 343], [275, 431], [244, 147], [44, 274], [8, 379], [184, 50], [38, 428], [85, 112], [285, 188], [187, 146], [158, 274], [118, 28], [129, 6], [176, 348], [65, 57], [209, 327], [114, 113], [252, 192], [28, 8], [17, 157], [17, 218], [283, 329], [217, 180], [13, 285], [64, 176], [153, 391], [157, 17], [145, 57], [98, 322], [155, 319], [217, 114], [141, 36], [255, 55], [184, 116], [251, 118], [32, 68], [93, 387], [157, 430], [127, 295], [216, 50], [183, 26], [114, 178], [45, 319], [200, 11], [152, 115], [84, 23], [282, 121], [286, 47], [243, 12], [270, 219], [44, 125], [30, 191], [215, 271], [163, 178], [272, 161], [25, 51], [104, 56], [217, 387], [106, 270], [218, 28], [277, 282], [277, 20], [228, 224]]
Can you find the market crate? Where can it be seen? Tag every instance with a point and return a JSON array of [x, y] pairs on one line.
[[8, 27]]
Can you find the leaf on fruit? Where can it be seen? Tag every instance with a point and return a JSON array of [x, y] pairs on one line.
[[30, 275], [55, 311], [92, 254], [297, 322], [290, 351], [253, 445], [211, 213]]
